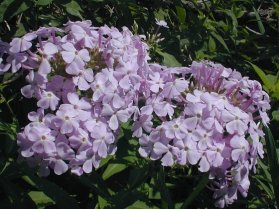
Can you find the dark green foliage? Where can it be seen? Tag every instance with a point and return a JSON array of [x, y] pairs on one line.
[[241, 34]]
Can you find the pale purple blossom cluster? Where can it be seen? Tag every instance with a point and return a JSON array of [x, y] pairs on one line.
[[88, 81], [206, 115]]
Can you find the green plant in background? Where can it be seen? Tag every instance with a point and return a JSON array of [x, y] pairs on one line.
[[240, 34]]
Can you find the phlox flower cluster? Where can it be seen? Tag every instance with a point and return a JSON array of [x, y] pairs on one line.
[[205, 115], [86, 82]]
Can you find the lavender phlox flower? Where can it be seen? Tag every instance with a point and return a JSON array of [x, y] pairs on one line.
[[4, 67], [163, 108], [22, 44], [236, 120], [45, 32], [81, 106], [25, 145], [161, 23], [115, 115], [240, 178], [48, 100], [92, 160], [47, 52], [64, 152], [130, 79], [74, 58], [188, 151], [175, 128], [204, 138], [80, 140], [84, 78], [175, 88], [99, 86], [67, 120], [112, 96], [61, 86], [195, 110], [215, 154], [240, 148], [144, 123], [83, 35], [146, 148], [37, 83], [204, 164], [166, 151], [156, 82], [102, 138], [36, 116], [42, 138], [16, 61]]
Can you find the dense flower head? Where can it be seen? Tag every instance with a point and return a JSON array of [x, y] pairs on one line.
[[89, 80], [205, 115], [86, 82]]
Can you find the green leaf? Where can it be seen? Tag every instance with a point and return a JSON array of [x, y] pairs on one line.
[[153, 194], [272, 161], [221, 40], [166, 198], [112, 169], [20, 30], [3, 167], [273, 79], [231, 14], [43, 2], [104, 161], [196, 191], [275, 115], [10, 132], [265, 170], [3, 8], [40, 198], [18, 198], [259, 21], [138, 176], [161, 14], [262, 75], [125, 198], [56, 193], [141, 205], [264, 187], [102, 203], [20, 7], [168, 59], [181, 14], [96, 183], [74, 9], [211, 44]]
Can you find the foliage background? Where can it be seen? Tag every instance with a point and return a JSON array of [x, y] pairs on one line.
[[240, 34]]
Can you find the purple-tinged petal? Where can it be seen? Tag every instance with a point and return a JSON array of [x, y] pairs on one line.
[[60, 167]]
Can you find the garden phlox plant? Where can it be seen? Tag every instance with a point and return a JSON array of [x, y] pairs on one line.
[[87, 81], [205, 115]]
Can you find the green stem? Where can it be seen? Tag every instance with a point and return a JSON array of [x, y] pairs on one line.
[[165, 196], [15, 77]]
